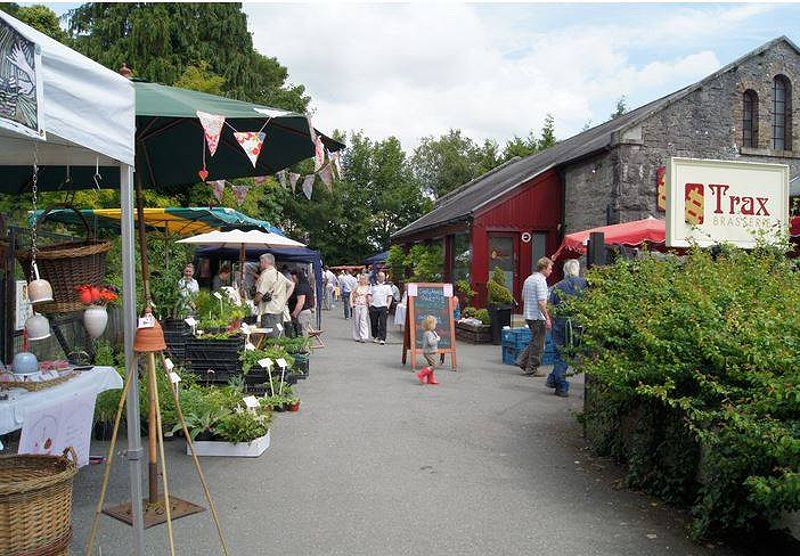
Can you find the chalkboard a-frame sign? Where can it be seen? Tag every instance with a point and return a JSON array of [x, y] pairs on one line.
[[430, 299]]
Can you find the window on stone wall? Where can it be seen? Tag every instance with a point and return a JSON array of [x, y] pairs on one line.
[[750, 119], [781, 113]]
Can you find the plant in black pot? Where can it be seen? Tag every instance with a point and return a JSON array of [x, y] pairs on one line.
[[501, 304]]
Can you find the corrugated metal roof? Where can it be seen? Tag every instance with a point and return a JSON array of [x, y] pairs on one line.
[[464, 201]]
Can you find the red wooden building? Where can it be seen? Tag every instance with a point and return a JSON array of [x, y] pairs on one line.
[[501, 219]]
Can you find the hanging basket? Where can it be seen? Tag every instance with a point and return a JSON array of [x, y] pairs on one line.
[[66, 265], [36, 503]]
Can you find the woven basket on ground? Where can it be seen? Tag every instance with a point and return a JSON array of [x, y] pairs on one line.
[[36, 504], [66, 265]]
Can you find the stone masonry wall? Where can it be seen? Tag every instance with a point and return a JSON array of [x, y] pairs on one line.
[[589, 190], [707, 124]]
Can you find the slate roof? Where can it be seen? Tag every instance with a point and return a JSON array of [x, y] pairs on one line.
[[462, 203]]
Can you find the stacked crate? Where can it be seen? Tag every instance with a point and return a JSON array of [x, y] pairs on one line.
[[515, 340]]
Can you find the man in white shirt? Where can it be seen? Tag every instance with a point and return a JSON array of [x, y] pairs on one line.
[[382, 296], [272, 292], [348, 283], [534, 299], [329, 283]]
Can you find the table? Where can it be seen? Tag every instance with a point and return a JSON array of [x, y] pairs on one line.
[[96, 380]]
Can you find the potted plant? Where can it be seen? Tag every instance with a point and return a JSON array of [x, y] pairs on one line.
[[501, 304], [293, 404], [172, 306], [466, 293], [95, 317]]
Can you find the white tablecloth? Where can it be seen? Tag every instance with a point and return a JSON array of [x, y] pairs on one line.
[[96, 380], [400, 315]]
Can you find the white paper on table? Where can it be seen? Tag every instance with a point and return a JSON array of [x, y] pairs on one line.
[[412, 290], [447, 290], [281, 362], [266, 362], [49, 430]]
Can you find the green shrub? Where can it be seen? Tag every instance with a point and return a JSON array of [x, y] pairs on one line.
[[695, 369], [483, 316], [465, 289], [499, 294]]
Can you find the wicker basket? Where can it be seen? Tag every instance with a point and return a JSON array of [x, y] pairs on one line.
[[66, 265], [36, 504]]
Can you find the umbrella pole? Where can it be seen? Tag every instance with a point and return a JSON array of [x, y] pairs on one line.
[[142, 240]]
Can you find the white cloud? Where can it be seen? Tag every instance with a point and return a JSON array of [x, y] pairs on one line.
[[416, 70]]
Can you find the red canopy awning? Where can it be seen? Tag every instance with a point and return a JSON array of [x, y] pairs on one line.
[[632, 234]]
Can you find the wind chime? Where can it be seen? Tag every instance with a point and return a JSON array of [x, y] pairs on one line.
[[37, 327]]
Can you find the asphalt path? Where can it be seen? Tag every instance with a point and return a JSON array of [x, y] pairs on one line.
[[488, 462]]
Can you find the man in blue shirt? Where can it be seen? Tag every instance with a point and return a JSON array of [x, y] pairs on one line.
[[571, 285]]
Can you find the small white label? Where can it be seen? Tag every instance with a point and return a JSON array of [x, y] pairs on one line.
[[245, 328], [412, 290], [281, 362], [147, 321], [251, 402], [218, 295], [279, 326], [447, 290], [249, 347], [174, 377], [266, 362], [267, 330], [190, 321], [169, 364]]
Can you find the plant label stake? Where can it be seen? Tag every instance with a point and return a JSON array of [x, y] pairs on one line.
[[282, 364], [266, 363], [251, 402]]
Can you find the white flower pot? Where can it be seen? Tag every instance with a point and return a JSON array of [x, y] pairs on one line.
[[251, 449], [95, 320]]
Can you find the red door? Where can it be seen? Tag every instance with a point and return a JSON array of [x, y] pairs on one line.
[[503, 253]]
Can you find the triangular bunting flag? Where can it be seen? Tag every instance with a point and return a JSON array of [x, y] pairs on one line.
[[293, 180], [337, 162], [240, 193], [319, 154], [282, 179], [212, 126], [251, 142], [218, 187], [308, 185], [326, 175]]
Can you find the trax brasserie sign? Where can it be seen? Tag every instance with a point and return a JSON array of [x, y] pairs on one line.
[[711, 201]]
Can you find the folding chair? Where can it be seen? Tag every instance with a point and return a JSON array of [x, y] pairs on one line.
[[316, 335]]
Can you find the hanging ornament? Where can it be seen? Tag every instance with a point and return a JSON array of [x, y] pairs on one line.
[[282, 179], [39, 290], [293, 178], [218, 187], [326, 175], [260, 179], [251, 142], [212, 127], [308, 185], [240, 193], [319, 154], [203, 173]]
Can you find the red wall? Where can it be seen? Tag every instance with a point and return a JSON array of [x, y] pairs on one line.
[[532, 207]]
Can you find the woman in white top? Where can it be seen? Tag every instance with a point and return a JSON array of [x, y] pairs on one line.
[[359, 301]]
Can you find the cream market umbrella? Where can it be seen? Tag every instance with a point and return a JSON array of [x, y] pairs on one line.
[[243, 241]]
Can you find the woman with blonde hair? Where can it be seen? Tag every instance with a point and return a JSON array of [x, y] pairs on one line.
[[360, 299]]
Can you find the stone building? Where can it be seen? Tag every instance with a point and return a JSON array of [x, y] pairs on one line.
[[610, 173]]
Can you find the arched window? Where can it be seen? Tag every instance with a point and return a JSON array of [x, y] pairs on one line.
[[750, 119], [781, 113]]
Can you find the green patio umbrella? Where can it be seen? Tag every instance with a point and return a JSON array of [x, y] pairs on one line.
[[169, 137]]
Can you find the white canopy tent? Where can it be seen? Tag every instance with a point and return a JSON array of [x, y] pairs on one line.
[[84, 118], [239, 239]]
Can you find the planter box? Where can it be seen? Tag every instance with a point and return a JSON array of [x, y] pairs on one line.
[[480, 334], [500, 316], [176, 334], [229, 449], [221, 356]]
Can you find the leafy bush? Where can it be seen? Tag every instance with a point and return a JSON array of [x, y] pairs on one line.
[[465, 289], [695, 372], [483, 316], [499, 294]]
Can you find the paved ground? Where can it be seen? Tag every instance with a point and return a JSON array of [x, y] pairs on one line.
[[489, 462]]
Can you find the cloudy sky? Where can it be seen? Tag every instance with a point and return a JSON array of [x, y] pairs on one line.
[[495, 70]]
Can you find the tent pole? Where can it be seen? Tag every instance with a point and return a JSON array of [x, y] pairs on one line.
[[142, 240], [134, 452]]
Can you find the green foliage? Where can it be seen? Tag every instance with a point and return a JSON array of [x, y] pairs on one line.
[[620, 108], [42, 19], [499, 294], [696, 381], [217, 313], [483, 316], [426, 263], [465, 289], [200, 78], [396, 263], [299, 344], [250, 359], [243, 425], [105, 407]]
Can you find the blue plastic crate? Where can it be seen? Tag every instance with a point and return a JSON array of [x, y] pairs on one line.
[[510, 355]]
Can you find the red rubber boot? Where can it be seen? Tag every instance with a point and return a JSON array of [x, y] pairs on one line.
[[431, 378], [423, 374]]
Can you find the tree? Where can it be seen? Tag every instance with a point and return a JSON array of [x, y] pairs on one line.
[[39, 17], [161, 41], [548, 138], [200, 78], [521, 147], [620, 109]]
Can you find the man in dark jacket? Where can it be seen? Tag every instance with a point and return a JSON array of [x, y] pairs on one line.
[[571, 285]]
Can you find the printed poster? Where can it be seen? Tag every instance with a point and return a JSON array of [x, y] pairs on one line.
[[20, 84]]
